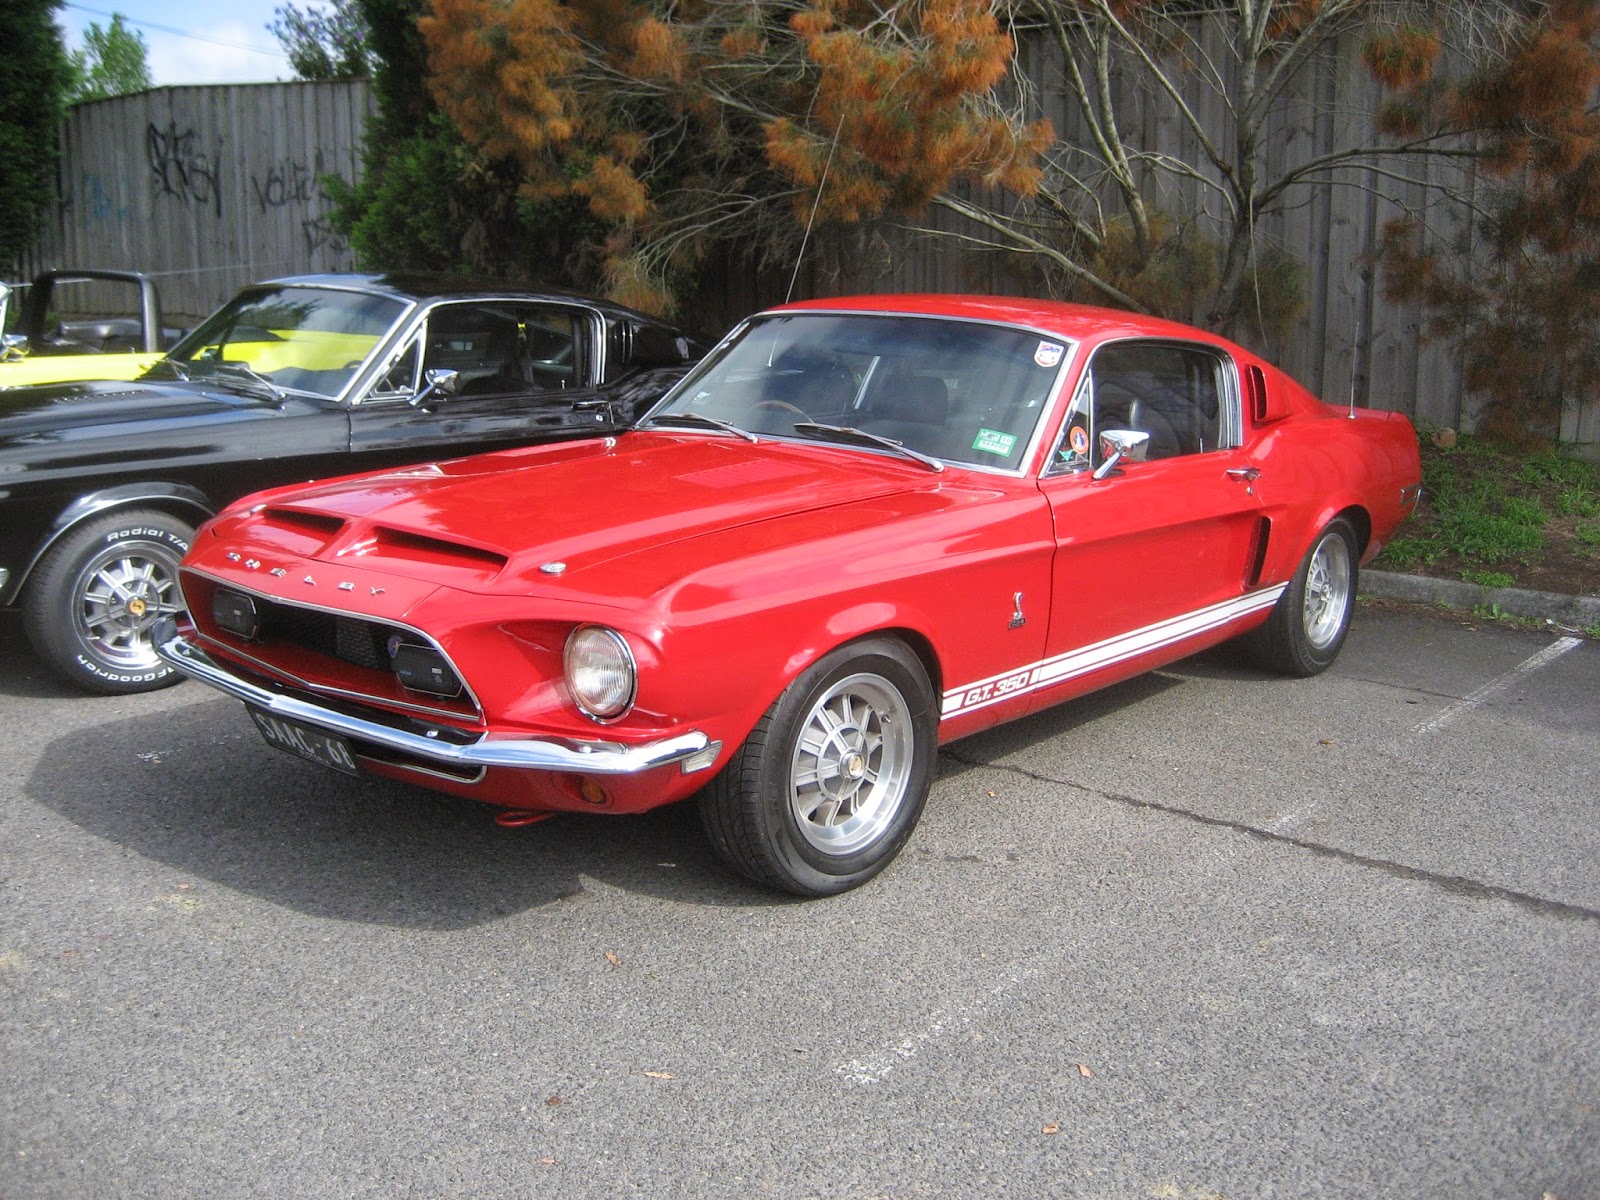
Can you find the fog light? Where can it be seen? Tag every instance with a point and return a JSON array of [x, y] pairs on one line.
[[424, 669], [236, 612], [592, 792]]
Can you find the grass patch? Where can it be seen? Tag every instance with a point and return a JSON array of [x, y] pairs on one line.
[[1503, 520], [1489, 579]]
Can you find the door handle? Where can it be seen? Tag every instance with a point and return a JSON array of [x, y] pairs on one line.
[[1244, 474]]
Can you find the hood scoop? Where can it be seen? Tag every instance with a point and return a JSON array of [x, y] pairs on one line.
[[441, 558]]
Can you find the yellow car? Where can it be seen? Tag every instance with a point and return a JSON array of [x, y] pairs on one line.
[[109, 348]]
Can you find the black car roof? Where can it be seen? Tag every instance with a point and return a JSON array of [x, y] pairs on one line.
[[418, 285]]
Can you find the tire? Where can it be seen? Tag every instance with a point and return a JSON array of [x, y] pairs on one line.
[[96, 593], [1307, 627], [830, 783]]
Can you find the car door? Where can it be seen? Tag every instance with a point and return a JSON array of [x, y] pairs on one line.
[[1157, 556], [521, 373]]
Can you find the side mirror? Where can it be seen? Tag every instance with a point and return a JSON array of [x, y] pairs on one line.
[[13, 346], [653, 346], [1119, 444], [441, 381]]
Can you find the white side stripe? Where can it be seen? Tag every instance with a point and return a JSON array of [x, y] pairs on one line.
[[1103, 654]]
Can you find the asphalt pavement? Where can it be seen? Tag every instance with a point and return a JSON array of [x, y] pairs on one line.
[[1208, 934]]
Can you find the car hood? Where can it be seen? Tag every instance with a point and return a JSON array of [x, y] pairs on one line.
[[505, 519], [51, 408]]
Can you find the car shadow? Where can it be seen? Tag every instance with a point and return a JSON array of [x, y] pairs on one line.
[[980, 750], [207, 799], [21, 673], [203, 796]]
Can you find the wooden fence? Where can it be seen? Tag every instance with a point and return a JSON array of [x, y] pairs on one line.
[[205, 188]]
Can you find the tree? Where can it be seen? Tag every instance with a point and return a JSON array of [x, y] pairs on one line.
[[427, 199], [1122, 217], [32, 100], [325, 43], [1518, 287], [681, 127], [113, 62]]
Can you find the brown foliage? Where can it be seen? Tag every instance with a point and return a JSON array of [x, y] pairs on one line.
[[664, 116], [1528, 313]]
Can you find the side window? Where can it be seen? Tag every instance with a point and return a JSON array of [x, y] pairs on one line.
[[503, 348], [1179, 395]]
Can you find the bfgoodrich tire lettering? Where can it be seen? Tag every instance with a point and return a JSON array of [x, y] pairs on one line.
[[91, 602], [830, 783], [1309, 622]]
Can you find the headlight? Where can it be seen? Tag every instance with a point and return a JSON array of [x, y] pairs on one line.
[[600, 671]]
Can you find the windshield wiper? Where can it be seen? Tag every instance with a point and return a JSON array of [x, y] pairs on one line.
[[848, 433], [251, 375], [700, 420]]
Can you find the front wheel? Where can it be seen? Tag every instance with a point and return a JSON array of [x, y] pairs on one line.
[[830, 783], [90, 606], [1308, 624]]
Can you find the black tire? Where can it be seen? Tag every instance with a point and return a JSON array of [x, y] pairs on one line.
[[91, 602], [817, 815], [1308, 624]]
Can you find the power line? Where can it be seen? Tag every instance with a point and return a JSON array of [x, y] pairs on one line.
[[167, 29]]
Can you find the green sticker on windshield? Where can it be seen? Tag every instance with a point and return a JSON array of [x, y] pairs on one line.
[[992, 441]]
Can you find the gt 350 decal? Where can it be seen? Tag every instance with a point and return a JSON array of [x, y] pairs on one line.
[[1109, 652]]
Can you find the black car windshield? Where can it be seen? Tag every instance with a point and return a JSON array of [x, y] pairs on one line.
[[959, 391], [303, 339]]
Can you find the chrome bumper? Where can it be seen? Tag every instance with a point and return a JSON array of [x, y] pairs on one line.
[[534, 754]]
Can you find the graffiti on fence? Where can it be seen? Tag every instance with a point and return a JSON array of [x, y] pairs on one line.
[[290, 183], [96, 201], [181, 168]]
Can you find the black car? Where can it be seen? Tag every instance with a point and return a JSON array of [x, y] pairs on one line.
[[102, 484]]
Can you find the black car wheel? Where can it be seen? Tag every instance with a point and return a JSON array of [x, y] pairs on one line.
[[830, 783], [97, 592], [1308, 624]]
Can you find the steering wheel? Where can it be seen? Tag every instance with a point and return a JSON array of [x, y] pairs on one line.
[[781, 406]]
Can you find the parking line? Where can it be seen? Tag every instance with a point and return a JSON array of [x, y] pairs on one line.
[[1471, 701]]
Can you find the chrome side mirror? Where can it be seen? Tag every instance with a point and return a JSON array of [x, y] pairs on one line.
[[1119, 444], [441, 381], [13, 346]]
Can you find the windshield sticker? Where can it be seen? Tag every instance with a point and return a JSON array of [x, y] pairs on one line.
[[1048, 354], [1079, 440], [992, 441]]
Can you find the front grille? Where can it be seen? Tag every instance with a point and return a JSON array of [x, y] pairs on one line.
[[354, 640]]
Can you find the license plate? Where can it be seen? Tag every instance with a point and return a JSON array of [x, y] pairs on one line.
[[325, 749]]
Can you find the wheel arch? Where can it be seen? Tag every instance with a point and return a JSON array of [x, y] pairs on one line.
[[180, 500]]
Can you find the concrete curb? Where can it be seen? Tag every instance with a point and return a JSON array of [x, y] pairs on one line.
[[1578, 612]]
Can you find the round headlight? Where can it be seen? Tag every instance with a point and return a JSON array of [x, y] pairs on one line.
[[600, 671]]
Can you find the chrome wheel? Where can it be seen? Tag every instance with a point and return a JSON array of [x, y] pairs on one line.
[[827, 787], [1327, 591], [121, 593], [851, 764]]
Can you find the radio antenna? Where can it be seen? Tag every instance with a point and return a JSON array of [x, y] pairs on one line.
[[816, 203]]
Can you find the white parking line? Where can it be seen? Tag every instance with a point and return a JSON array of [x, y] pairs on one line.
[[1471, 701], [877, 1064]]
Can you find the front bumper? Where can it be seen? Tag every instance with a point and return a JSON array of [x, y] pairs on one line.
[[533, 754]]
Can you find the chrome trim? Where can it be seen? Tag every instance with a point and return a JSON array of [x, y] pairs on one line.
[[539, 754]]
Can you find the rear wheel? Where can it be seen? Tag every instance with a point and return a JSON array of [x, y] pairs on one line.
[[830, 783], [1308, 624], [97, 592]]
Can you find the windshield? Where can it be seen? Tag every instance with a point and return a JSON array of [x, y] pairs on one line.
[[958, 391], [302, 339]]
